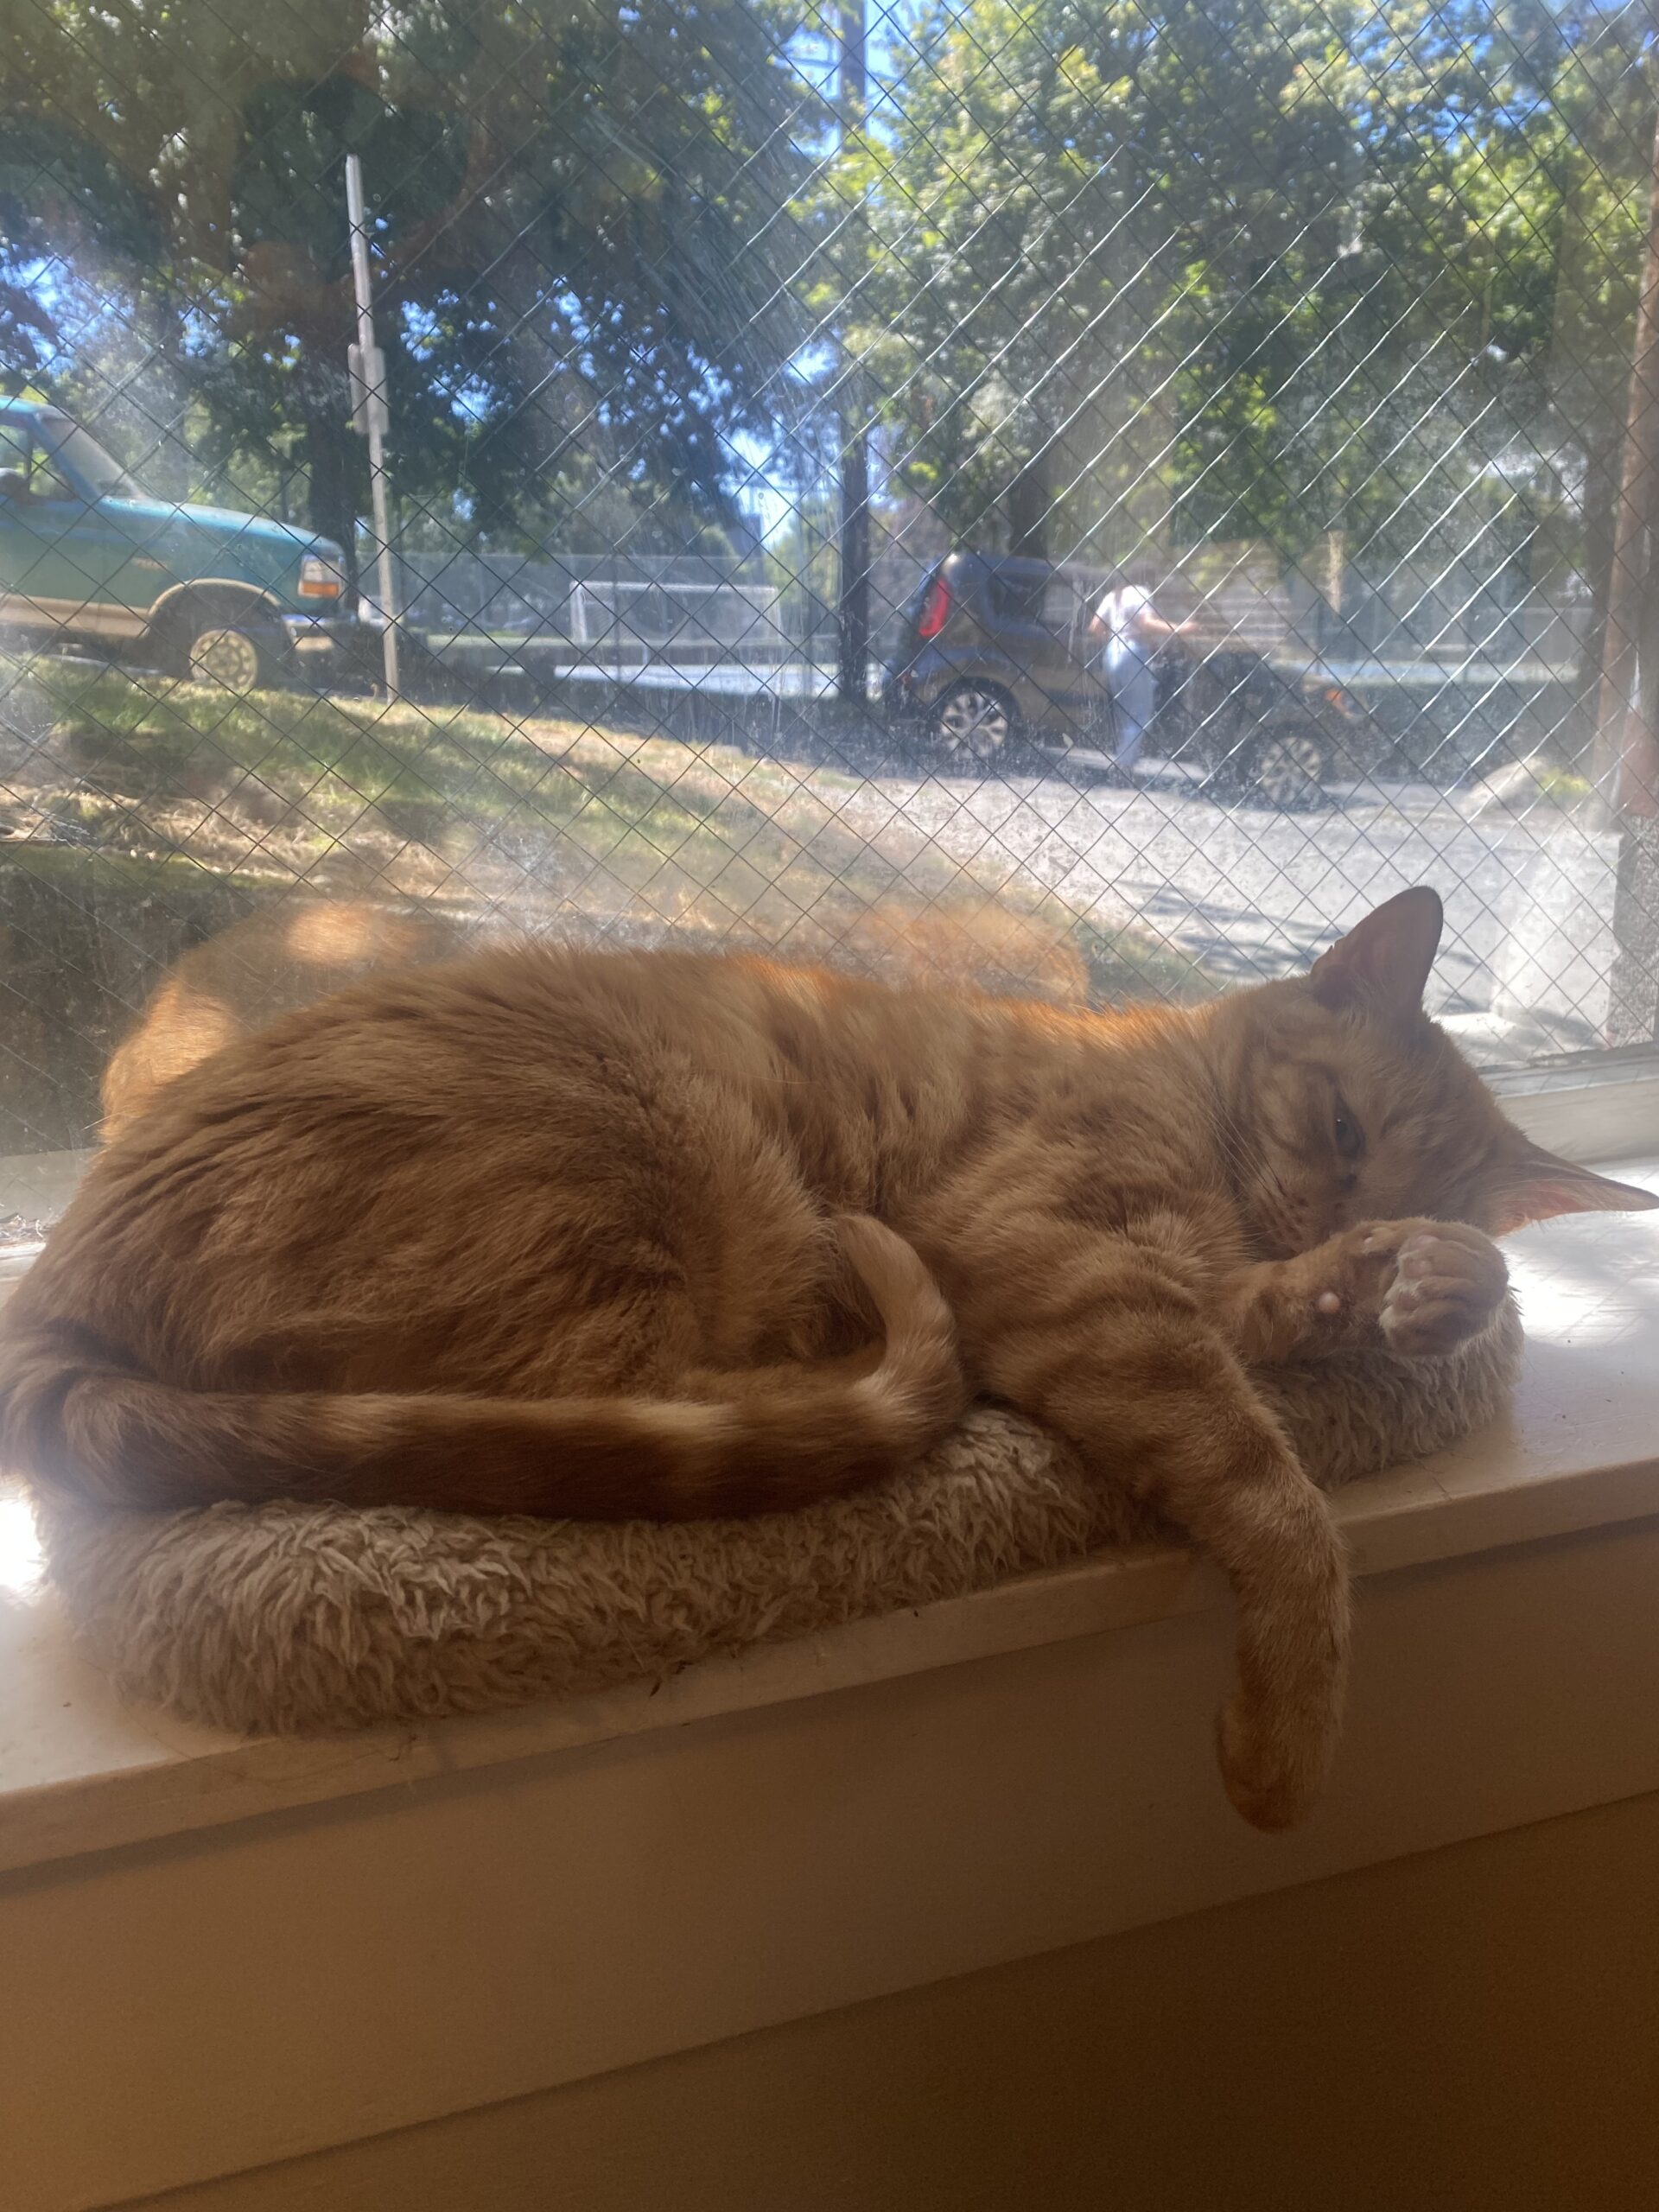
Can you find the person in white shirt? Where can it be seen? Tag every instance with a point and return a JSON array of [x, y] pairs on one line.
[[1133, 629]]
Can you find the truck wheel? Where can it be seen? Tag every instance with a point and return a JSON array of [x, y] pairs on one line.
[[232, 647]]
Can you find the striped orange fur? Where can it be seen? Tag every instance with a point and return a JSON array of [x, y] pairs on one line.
[[664, 1234]]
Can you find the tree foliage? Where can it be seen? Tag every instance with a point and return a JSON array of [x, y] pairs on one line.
[[1207, 269], [576, 281], [1223, 268]]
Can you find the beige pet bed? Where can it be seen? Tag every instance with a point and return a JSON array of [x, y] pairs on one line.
[[304, 1619]]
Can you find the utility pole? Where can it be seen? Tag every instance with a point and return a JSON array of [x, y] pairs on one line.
[[370, 415], [853, 622]]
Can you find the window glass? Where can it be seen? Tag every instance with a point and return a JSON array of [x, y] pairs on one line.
[[32, 468], [1063, 612], [1016, 595], [102, 474], [1318, 329]]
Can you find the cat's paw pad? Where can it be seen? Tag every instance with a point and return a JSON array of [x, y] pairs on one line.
[[1447, 1282]]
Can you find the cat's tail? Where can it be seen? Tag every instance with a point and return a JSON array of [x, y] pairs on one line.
[[78, 1418]]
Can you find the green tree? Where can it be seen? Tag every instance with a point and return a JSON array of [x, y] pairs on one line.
[[572, 209], [1448, 378], [1228, 269]]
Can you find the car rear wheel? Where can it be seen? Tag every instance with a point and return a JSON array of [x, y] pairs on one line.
[[1289, 764], [973, 722]]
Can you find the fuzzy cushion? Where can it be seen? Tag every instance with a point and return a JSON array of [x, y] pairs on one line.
[[304, 1619]]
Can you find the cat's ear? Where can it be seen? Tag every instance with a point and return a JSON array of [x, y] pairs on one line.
[[1528, 1183], [1382, 965]]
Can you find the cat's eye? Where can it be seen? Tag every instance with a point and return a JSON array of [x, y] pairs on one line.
[[1351, 1138]]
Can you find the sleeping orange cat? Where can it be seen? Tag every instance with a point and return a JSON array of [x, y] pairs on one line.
[[551, 1231], [297, 951]]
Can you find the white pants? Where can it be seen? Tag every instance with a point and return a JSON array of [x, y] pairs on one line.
[[1133, 682]]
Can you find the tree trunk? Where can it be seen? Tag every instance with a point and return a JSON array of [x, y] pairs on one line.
[[333, 457], [1029, 507], [853, 625], [852, 680], [1601, 465]]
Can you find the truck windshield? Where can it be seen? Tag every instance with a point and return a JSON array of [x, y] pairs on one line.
[[82, 454]]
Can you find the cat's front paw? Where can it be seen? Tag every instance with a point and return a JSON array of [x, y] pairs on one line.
[[1441, 1283]]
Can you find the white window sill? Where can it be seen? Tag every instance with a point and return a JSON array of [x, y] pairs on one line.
[[311, 1943], [81, 1772]]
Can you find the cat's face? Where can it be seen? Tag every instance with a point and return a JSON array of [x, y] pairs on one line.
[[1343, 1103]]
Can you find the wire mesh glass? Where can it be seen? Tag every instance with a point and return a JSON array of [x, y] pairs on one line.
[[791, 419]]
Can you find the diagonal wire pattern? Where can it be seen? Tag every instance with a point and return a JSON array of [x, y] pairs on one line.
[[1318, 316]]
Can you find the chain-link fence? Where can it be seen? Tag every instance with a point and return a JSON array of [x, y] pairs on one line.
[[1080, 500]]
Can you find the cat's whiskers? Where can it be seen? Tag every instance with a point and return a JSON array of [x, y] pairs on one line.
[[1255, 1183]]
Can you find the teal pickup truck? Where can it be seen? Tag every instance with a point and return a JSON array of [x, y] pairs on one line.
[[87, 556]]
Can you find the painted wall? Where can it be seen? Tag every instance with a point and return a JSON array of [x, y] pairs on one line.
[[1474, 2027]]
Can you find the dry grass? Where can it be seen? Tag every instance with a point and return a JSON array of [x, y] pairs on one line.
[[542, 821]]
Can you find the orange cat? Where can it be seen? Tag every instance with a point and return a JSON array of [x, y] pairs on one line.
[[563, 1232], [283, 956], [298, 950]]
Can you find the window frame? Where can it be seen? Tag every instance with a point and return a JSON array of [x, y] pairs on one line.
[[1590, 1105]]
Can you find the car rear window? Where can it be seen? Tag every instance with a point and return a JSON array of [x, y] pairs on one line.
[[1064, 610], [1016, 597]]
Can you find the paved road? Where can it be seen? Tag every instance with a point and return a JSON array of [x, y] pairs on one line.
[[1254, 892]]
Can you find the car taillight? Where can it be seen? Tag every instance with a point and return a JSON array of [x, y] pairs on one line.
[[936, 609]]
